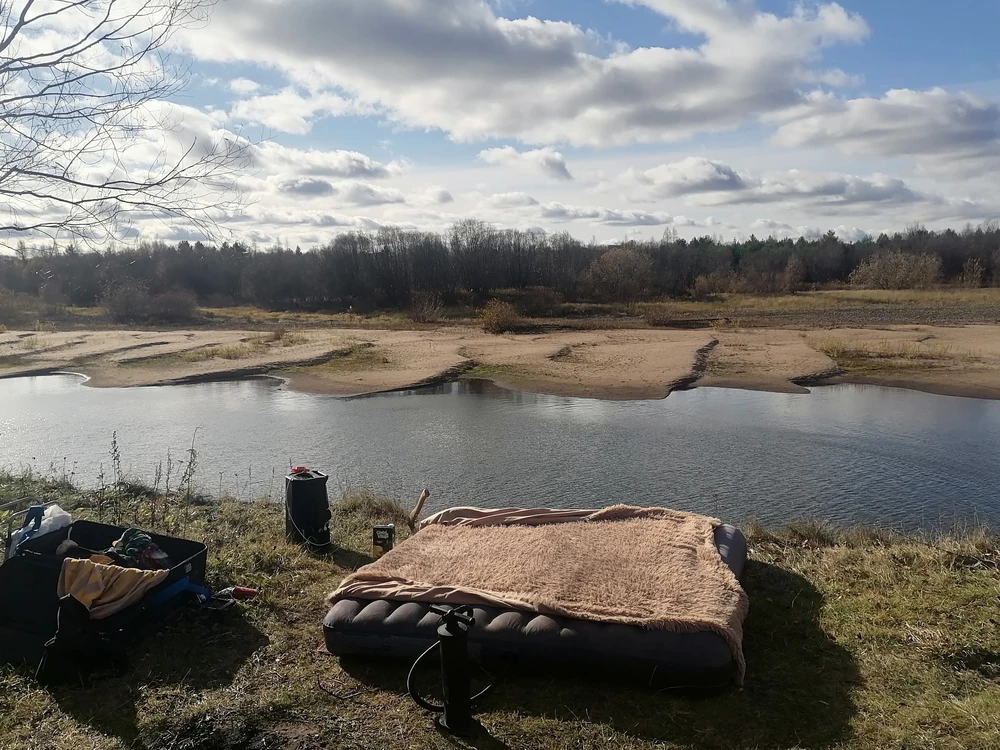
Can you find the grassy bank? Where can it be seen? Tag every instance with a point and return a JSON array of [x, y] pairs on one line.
[[745, 308], [856, 640]]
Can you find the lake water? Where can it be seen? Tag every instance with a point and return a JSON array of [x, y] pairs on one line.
[[842, 453]]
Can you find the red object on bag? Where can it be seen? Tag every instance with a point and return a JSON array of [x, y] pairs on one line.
[[300, 470]]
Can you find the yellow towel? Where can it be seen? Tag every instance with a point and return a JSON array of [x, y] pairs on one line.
[[105, 589]]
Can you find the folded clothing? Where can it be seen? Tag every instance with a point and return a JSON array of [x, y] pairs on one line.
[[105, 589]]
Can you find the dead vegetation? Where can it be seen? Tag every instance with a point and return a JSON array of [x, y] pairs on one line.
[[891, 354], [253, 346]]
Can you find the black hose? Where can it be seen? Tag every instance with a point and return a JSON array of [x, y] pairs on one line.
[[486, 690], [412, 690]]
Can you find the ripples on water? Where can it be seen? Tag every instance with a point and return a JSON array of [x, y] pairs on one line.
[[843, 453]]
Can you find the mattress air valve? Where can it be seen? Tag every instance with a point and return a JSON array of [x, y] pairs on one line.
[[455, 716]]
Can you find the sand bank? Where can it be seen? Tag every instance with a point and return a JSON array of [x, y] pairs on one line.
[[615, 364]]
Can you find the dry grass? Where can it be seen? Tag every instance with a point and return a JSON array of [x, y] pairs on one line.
[[889, 354], [927, 298], [239, 317], [824, 300], [576, 315], [859, 640], [29, 343], [254, 346]]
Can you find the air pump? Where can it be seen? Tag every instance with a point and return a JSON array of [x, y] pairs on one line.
[[455, 716]]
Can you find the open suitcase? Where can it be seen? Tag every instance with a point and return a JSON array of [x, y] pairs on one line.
[[29, 614]]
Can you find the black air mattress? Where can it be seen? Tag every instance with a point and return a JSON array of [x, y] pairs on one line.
[[402, 630]]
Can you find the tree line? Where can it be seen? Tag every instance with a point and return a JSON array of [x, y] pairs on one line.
[[473, 261]]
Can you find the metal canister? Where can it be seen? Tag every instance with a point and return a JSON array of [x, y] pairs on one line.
[[307, 509], [383, 538]]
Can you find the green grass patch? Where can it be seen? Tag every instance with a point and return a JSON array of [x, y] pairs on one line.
[[500, 372], [13, 360], [359, 357]]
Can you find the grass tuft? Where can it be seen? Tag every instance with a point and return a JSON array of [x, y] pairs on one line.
[[888, 355], [254, 346]]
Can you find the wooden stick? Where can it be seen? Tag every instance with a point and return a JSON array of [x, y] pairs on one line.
[[415, 513]]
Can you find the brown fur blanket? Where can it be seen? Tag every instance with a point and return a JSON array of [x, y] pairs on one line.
[[650, 567]]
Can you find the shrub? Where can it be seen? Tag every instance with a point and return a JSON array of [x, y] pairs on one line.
[[499, 317], [220, 300], [794, 275], [713, 284], [17, 309], [897, 270], [425, 307], [126, 302], [754, 281], [55, 301], [540, 302], [173, 307], [657, 315], [532, 301], [620, 275], [973, 274]]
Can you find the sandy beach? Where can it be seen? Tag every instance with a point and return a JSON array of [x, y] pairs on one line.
[[609, 364]]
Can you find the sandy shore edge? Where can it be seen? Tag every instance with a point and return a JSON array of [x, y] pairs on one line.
[[607, 365]]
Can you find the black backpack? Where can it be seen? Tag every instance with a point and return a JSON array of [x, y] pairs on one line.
[[79, 648]]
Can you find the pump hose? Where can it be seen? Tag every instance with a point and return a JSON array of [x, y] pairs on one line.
[[412, 689]]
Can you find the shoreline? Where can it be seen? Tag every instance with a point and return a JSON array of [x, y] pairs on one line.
[[614, 365], [954, 390]]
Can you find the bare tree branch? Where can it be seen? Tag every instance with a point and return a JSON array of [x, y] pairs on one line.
[[87, 142]]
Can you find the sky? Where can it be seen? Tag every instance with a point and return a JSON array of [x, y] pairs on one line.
[[609, 119]]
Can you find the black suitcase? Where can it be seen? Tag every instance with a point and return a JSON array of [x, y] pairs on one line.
[[29, 582]]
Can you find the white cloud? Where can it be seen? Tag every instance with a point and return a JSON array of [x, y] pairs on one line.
[[305, 186], [609, 216], [344, 193], [274, 157], [693, 174], [548, 160], [944, 132], [459, 67], [703, 182], [291, 111], [363, 194], [510, 200], [286, 217], [243, 86], [456, 66]]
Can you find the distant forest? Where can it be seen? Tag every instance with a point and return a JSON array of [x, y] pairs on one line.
[[395, 268]]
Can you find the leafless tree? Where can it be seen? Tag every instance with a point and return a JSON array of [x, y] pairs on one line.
[[88, 143]]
